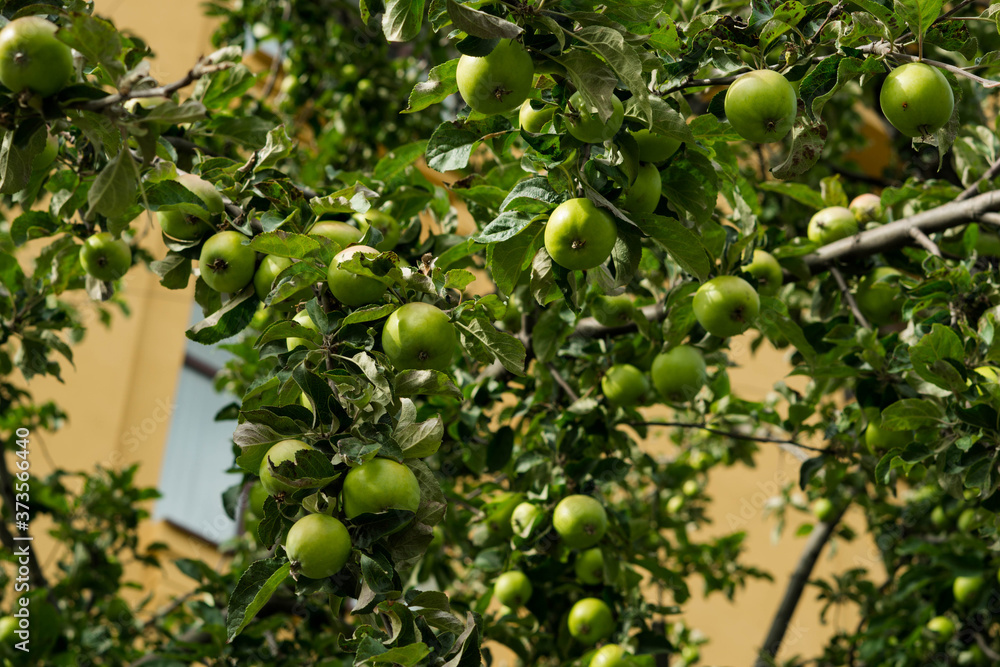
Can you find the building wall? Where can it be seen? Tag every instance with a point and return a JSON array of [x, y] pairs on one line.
[[119, 398]]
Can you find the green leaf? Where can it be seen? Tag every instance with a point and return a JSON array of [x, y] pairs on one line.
[[509, 259], [97, 39], [395, 161], [17, 154], [912, 413], [113, 191], [285, 244], [174, 270], [426, 383], [32, 225], [623, 58], [440, 85], [798, 191], [279, 145], [232, 318], [681, 243], [402, 19], [931, 356], [255, 588], [217, 89], [508, 350], [480, 24], [592, 77], [452, 143], [918, 14], [504, 227], [807, 147]]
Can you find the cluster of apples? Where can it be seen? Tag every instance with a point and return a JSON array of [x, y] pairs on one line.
[[581, 522], [915, 98]]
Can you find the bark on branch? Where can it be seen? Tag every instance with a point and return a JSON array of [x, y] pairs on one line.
[[897, 234], [807, 561]]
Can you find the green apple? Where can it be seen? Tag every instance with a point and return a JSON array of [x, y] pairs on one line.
[[761, 106], [525, 518], [675, 504], [182, 227], [938, 517], [267, 273], [32, 58], [879, 297], [644, 194], [767, 271], [497, 82], [302, 318], [881, 440], [968, 520], [726, 306], [679, 374], [691, 488], [609, 655], [613, 311], [513, 589], [341, 233], [966, 589], [867, 207], [590, 621], [533, 120], [419, 336], [318, 546], [104, 257], [624, 384], [942, 627], [227, 265], [580, 521], [579, 235], [205, 191], [973, 656], [832, 224], [350, 288], [917, 99], [279, 452], [380, 485], [8, 625], [823, 509], [589, 567], [654, 148], [584, 123]]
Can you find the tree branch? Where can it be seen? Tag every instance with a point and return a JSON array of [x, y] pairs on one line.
[[201, 68], [7, 495], [990, 174], [896, 234], [561, 381], [807, 561], [588, 327], [842, 284], [736, 435], [925, 241]]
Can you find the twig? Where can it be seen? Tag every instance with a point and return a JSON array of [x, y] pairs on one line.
[[842, 284], [830, 15], [987, 651], [588, 327], [563, 384], [925, 241], [896, 234], [990, 174], [201, 68], [736, 435], [807, 561], [957, 71]]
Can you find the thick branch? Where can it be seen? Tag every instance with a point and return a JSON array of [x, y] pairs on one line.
[[7, 495], [201, 68], [897, 234], [807, 561]]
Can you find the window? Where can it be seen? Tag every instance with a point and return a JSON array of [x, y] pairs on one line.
[[199, 449]]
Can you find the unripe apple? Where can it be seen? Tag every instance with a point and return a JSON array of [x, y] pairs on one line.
[[624, 384], [318, 546], [590, 620], [533, 120], [832, 224], [589, 567], [350, 288], [966, 589], [879, 297], [942, 627], [302, 317], [580, 521], [767, 271], [726, 306], [867, 207], [280, 452], [513, 589], [917, 99]]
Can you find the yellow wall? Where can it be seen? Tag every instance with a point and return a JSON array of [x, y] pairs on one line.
[[125, 378]]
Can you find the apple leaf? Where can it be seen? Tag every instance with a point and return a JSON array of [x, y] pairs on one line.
[[623, 58], [255, 588], [935, 358], [426, 383], [592, 77], [440, 85], [912, 413], [232, 318], [452, 143], [479, 334], [480, 24], [402, 19], [807, 147], [284, 244], [114, 189], [681, 243], [17, 154], [918, 14]]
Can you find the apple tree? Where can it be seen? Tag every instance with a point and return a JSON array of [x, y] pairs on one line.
[[444, 390]]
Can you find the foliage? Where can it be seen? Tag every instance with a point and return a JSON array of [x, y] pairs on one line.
[[519, 417]]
